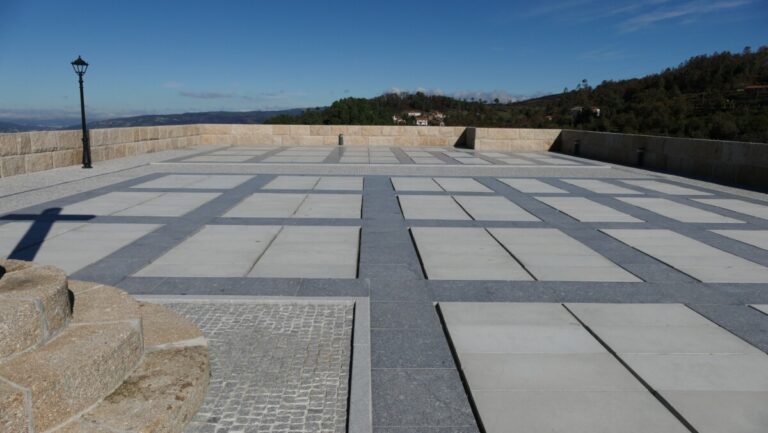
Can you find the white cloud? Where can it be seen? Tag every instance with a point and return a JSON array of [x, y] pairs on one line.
[[688, 11]]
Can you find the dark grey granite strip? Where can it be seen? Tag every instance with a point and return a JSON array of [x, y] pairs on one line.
[[401, 156]]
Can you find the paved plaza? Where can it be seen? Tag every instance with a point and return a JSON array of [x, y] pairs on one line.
[[430, 289]]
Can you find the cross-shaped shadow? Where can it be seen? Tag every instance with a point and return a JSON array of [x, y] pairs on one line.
[[29, 245]]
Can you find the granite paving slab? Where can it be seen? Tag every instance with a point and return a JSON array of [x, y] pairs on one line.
[[678, 211], [586, 210], [532, 186], [740, 206], [697, 259]]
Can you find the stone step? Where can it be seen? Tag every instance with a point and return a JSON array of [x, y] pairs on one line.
[[73, 371], [92, 376], [161, 396], [34, 305]]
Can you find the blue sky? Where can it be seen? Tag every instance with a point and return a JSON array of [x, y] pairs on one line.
[[172, 56]]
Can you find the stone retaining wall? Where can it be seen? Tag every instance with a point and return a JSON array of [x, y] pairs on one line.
[[29, 152], [723, 161], [730, 162]]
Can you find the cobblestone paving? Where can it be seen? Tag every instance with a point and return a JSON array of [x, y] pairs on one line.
[[276, 366]]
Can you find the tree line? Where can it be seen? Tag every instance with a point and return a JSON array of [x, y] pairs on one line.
[[718, 96]]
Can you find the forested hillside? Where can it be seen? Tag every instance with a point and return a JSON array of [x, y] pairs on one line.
[[718, 96]]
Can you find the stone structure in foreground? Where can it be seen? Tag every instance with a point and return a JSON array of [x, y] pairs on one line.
[[78, 357]]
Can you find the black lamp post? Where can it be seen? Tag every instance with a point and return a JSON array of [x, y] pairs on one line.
[[80, 66]]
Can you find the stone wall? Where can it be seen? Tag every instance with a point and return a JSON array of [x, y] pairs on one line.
[[512, 139], [723, 161], [318, 135], [27, 152], [730, 162]]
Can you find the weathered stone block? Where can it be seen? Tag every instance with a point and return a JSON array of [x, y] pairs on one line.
[[65, 158], [38, 162], [44, 141], [13, 416], [9, 144], [12, 165], [75, 370]]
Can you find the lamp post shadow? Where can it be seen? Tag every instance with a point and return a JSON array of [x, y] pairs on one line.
[[29, 244]]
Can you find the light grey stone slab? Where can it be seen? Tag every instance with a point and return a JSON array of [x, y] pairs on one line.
[[600, 187], [532, 186], [464, 254], [495, 208], [678, 211], [12, 233], [340, 183], [416, 184], [516, 161], [556, 161], [215, 251], [311, 252], [472, 161], [267, 205], [718, 412], [758, 238], [219, 158], [492, 154], [196, 181], [670, 340], [171, 204], [574, 412], [294, 159], [665, 187], [699, 260], [110, 203], [457, 154], [637, 315], [586, 210], [740, 206], [250, 152], [547, 372], [354, 160], [505, 314], [427, 160], [763, 308], [330, 206], [551, 255], [140, 203], [523, 339], [84, 244], [431, 207], [293, 182], [747, 372], [461, 184]]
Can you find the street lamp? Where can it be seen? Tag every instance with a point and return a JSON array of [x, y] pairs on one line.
[[80, 66]]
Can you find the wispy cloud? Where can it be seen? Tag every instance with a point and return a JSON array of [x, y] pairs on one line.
[[206, 95], [689, 12]]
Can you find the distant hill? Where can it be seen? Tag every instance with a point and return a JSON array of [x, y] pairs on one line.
[[244, 117], [718, 96], [16, 127]]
